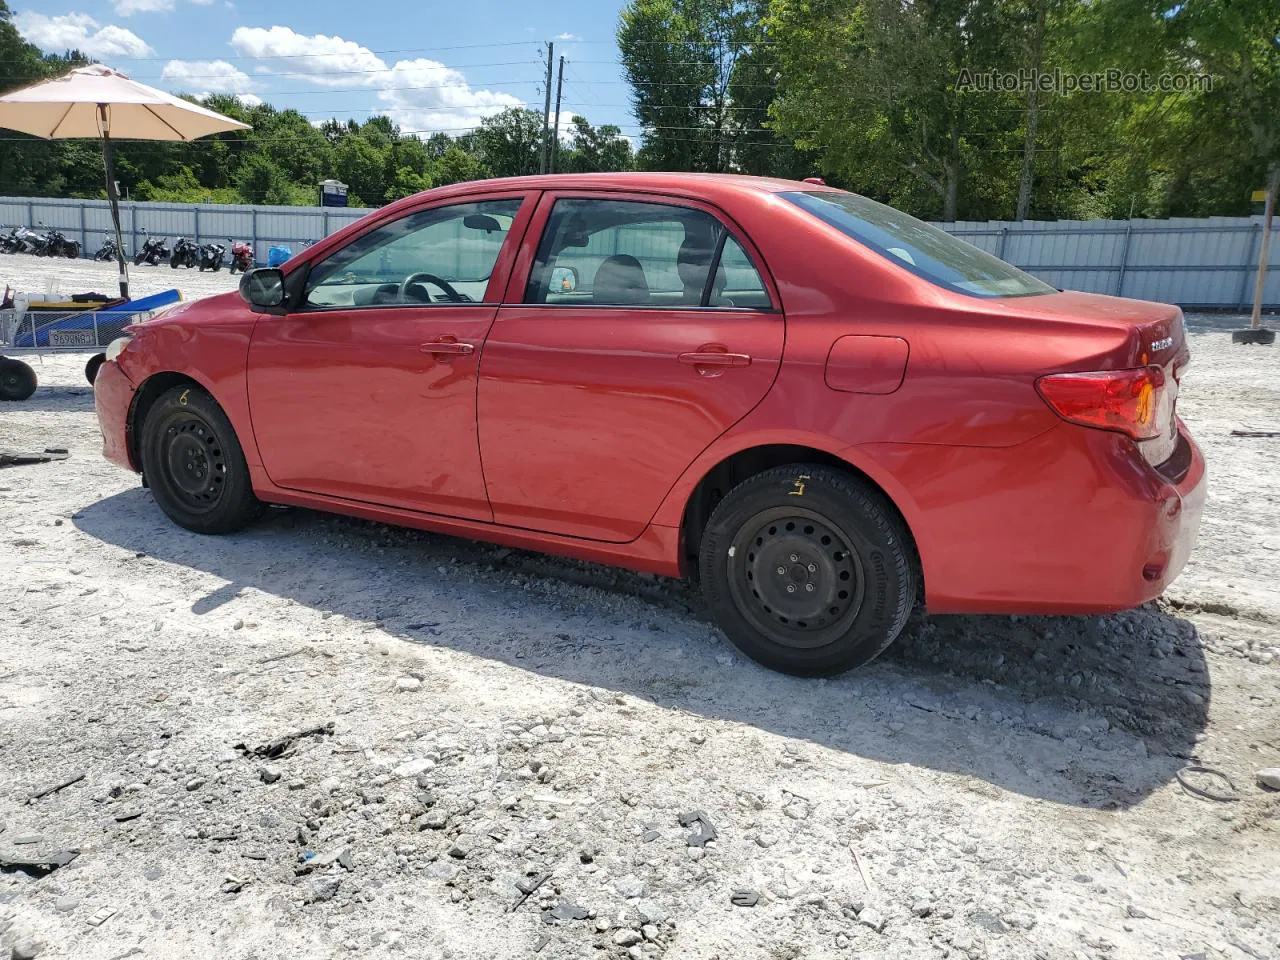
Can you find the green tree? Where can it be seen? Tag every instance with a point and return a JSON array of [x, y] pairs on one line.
[[510, 142], [596, 149], [456, 165]]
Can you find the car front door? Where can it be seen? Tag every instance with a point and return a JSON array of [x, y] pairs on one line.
[[367, 391], [645, 330]]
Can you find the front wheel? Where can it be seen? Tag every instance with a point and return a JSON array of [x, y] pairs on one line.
[[194, 464], [93, 365], [808, 570], [72, 250]]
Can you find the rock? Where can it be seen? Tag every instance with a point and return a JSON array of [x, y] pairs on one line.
[[408, 684], [650, 911], [330, 785], [1269, 778], [627, 938], [26, 950], [635, 953], [797, 810], [922, 908], [411, 768], [324, 888], [630, 886], [649, 932], [766, 840], [153, 873], [744, 898], [564, 910], [195, 783], [270, 773], [297, 784], [66, 904], [434, 820], [872, 918], [441, 870]]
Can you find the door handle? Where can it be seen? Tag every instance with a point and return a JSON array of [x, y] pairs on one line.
[[715, 359], [449, 347]]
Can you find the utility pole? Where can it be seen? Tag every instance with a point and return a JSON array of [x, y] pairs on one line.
[[544, 156], [555, 130]]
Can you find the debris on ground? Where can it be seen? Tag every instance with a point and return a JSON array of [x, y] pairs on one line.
[[283, 746]]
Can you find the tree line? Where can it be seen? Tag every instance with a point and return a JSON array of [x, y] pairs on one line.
[[949, 109]]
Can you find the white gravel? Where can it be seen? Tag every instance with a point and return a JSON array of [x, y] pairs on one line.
[[991, 788]]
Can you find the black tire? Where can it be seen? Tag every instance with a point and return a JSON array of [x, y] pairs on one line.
[[848, 580], [72, 250], [91, 367], [194, 464], [17, 380]]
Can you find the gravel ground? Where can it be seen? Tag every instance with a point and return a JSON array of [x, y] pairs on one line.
[[992, 787]]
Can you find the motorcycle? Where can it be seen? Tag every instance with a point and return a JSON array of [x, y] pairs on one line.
[[108, 249], [9, 242], [152, 252], [211, 257], [26, 240], [242, 257], [55, 244], [185, 254]]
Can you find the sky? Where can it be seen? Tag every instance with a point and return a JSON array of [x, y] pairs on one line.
[[430, 65]]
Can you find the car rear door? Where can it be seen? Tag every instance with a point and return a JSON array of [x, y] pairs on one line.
[[636, 330], [368, 391]]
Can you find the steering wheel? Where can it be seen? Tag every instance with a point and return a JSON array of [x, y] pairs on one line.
[[432, 279]]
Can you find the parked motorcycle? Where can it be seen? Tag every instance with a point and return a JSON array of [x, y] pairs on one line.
[[9, 242], [211, 257], [54, 243], [185, 254], [27, 240], [242, 257], [108, 249], [152, 252]]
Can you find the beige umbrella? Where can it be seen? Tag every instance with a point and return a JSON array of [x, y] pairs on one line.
[[98, 102]]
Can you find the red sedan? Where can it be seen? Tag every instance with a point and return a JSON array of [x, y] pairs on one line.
[[824, 409]]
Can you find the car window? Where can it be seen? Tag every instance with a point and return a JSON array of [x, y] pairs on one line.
[[441, 255], [923, 249], [631, 253]]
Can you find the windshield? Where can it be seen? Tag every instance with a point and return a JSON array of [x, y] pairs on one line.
[[923, 249]]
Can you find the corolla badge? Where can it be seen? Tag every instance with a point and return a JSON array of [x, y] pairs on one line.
[[1158, 345]]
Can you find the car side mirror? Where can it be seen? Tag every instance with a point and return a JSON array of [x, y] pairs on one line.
[[263, 289], [564, 280]]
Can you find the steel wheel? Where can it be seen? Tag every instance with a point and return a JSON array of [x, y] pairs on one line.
[[794, 576], [193, 462]]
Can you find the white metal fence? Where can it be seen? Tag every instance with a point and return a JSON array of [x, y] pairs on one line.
[[1193, 262]]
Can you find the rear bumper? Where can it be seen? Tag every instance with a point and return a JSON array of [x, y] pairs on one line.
[[1072, 521], [112, 397]]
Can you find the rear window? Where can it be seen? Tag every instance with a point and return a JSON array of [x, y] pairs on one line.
[[923, 249]]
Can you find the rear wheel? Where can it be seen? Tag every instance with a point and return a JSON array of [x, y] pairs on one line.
[[194, 464], [17, 380], [808, 570]]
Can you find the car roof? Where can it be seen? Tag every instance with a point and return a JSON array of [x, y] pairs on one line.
[[698, 184]]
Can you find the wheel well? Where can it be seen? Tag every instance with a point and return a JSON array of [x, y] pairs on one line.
[[152, 389], [743, 465]]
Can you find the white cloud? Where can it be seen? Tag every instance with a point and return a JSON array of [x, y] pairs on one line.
[[127, 8], [212, 76], [328, 61], [81, 32], [559, 36], [418, 94]]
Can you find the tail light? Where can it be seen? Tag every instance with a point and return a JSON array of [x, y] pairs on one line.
[[1134, 402]]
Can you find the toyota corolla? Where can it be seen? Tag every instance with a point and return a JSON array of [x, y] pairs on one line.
[[823, 409]]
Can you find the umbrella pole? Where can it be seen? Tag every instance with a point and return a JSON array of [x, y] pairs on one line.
[[109, 162]]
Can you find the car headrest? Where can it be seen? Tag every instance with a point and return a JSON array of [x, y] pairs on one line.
[[620, 279]]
